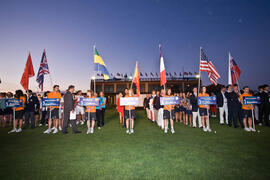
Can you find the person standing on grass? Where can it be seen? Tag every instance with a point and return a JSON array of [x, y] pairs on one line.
[[213, 108], [157, 107], [146, 106], [90, 114], [61, 112], [130, 114], [101, 110], [120, 109], [19, 112], [79, 109], [31, 105], [168, 114], [236, 106], [247, 114], [151, 106], [54, 114], [68, 108], [189, 113], [44, 111], [222, 105], [265, 105], [2, 110], [8, 111], [195, 108], [177, 110], [203, 110]]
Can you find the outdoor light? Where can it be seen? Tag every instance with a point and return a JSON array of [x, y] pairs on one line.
[[197, 76], [93, 77], [130, 77]]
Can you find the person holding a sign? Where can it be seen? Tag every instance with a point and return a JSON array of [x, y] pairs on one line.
[[120, 109], [203, 110], [130, 114], [19, 112], [247, 114], [168, 113], [90, 114], [54, 111]]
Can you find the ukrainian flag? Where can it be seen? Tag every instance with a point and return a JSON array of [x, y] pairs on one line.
[[100, 65]]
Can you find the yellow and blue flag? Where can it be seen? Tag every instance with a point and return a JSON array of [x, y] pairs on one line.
[[99, 65]]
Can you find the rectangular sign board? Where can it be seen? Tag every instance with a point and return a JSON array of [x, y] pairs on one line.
[[14, 103], [50, 102], [169, 100], [251, 100], [207, 100], [129, 101], [89, 102]]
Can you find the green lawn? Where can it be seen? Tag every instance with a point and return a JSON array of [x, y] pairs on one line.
[[148, 154]]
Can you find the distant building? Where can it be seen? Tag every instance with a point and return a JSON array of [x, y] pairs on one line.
[[114, 86]]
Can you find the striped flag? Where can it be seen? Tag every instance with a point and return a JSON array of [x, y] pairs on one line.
[[100, 66], [207, 66], [136, 79], [163, 79], [43, 69], [234, 71]]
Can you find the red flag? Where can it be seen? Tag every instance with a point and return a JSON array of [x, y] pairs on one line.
[[163, 79], [136, 79], [28, 72]]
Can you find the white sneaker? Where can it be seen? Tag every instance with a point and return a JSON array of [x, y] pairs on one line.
[[60, 129], [46, 124], [260, 124], [251, 129], [172, 131], [40, 125], [209, 130], [91, 130], [48, 131], [166, 130], [53, 128], [247, 129], [88, 131], [131, 131], [99, 127], [19, 130], [204, 129], [127, 131], [12, 131], [55, 131]]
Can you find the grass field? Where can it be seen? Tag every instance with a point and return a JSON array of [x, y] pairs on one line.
[[148, 154]]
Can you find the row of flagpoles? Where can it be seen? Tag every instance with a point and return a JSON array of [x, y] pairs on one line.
[[151, 74]]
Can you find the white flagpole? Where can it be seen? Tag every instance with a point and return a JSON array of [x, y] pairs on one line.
[[200, 70], [229, 71]]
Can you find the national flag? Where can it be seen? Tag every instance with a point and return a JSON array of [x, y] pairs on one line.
[[207, 66], [146, 74], [100, 65], [163, 73], [170, 74], [141, 74], [28, 72], [157, 74], [152, 74], [136, 79], [43, 69], [175, 74], [234, 71], [180, 74]]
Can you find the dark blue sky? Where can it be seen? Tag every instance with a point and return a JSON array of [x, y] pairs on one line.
[[128, 31]]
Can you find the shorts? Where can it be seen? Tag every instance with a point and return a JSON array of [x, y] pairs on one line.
[[92, 116], [181, 109], [168, 115], [247, 113], [80, 110], [132, 114], [55, 113], [8, 111], [189, 112], [177, 109], [19, 114], [203, 112]]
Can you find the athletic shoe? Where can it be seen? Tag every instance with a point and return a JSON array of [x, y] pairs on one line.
[[209, 130], [194, 126], [166, 131], [247, 129], [200, 126], [48, 131], [99, 127], [60, 129], [91, 130], [53, 128], [46, 124], [40, 125], [260, 124], [251, 129], [172, 131], [88, 131], [55, 131], [131, 131], [127, 131], [19, 130], [12, 131], [204, 129]]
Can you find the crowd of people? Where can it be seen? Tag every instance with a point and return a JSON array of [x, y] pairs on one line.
[[229, 102]]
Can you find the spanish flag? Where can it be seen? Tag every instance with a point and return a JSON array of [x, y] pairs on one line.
[[136, 79], [100, 65]]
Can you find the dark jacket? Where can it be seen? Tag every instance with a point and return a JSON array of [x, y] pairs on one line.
[[220, 99], [264, 100], [146, 102], [68, 102], [31, 104], [194, 102], [232, 99], [157, 105]]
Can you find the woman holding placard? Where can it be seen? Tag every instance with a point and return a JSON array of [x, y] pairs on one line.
[[203, 110], [130, 114], [90, 114], [168, 114]]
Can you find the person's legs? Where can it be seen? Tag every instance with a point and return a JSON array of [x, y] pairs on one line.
[[65, 122], [221, 115], [226, 113], [266, 116], [27, 117], [102, 117], [74, 126], [194, 117], [20, 123], [250, 122], [32, 118], [234, 116], [98, 118]]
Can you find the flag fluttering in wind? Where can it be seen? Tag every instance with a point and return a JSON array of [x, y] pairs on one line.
[[207, 66], [234, 71], [28, 72], [163, 79], [43, 69], [136, 79], [100, 65]]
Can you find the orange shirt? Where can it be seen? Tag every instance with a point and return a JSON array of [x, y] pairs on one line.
[[245, 107], [91, 109], [129, 107], [203, 95], [54, 95], [21, 108], [168, 107]]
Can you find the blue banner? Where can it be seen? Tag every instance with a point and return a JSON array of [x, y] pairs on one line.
[[251, 100], [51, 102], [14, 103], [129, 101], [89, 102], [2, 103], [169, 100], [207, 100]]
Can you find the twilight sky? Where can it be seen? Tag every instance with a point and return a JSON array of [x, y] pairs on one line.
[[126, 31]]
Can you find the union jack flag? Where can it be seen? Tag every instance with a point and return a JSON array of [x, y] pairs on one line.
[[43, 69], [207, 66]]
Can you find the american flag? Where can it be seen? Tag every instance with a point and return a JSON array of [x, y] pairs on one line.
[[207, 66], [43, 69]]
